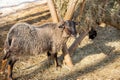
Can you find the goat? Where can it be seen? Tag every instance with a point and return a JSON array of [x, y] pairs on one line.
[[92, 33], [25, 39]]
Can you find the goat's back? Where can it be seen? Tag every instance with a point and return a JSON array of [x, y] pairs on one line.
[[24, 38]]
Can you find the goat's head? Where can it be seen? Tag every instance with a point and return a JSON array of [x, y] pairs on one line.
[[92, 33], [69, 28]]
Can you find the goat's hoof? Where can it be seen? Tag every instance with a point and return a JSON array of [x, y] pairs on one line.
[[58, 67], [10, 78], [49, 65]]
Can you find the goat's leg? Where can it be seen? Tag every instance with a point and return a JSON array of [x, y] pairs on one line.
[[4, 62], [56, 60], [10, 68], [50, 58]]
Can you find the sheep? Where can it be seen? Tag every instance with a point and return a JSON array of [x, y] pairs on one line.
[[25, 39]]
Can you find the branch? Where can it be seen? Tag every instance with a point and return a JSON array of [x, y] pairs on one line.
[[81, 36], [53, 11], [77, 42], [70, 9], [81, 10]]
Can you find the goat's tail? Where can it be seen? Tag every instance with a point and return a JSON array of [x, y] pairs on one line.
[[7, 45]]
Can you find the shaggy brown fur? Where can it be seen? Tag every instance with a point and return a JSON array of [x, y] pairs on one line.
[[24, 39]]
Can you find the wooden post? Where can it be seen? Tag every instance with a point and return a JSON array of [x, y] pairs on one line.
[[68, 16], [81, 9], [70, 9], [53, 11], [77, 41], [67, 58], [81, 36]]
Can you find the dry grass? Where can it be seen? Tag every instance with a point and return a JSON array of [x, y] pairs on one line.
[[94, 60]]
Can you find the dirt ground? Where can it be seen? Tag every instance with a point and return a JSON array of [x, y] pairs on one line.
[[97, 59]]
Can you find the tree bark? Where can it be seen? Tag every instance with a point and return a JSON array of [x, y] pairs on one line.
[[53, 11], [70, 9], [77, 42], [82, 8], [67, 58], [68, 16]]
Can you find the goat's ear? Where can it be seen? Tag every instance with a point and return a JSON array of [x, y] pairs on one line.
[[76, 23], [61, 24]]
